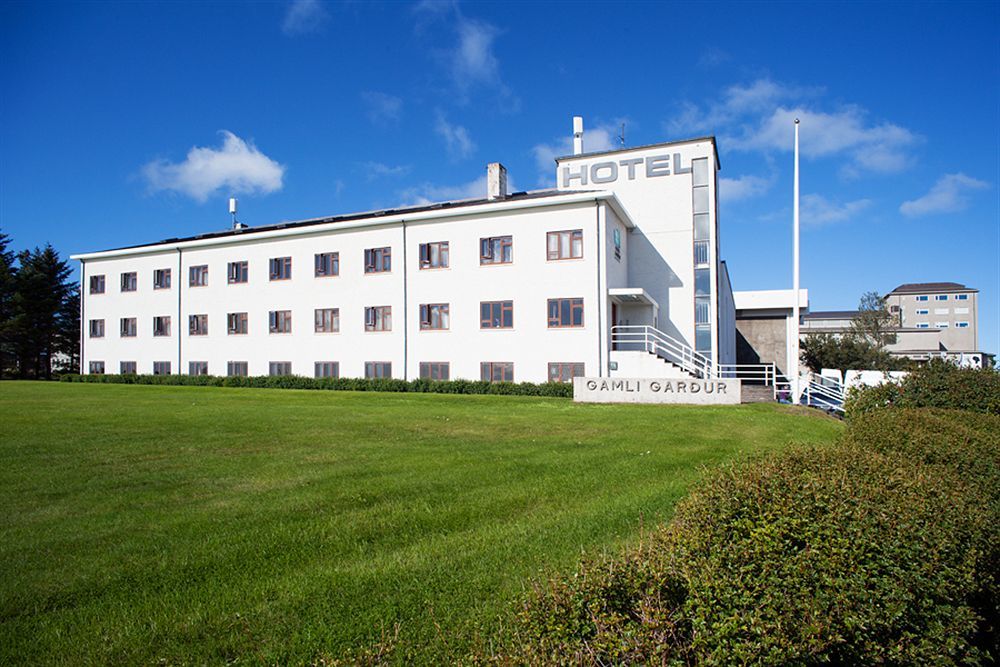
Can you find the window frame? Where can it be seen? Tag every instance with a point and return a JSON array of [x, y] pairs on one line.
[[281, 365], [371, 366], [128, 368], [240, 317], [430, 311], [574, 236], [506, 306], [279, 269], [506, 242], [435, 370], [279, 322], [164, 331], [378, 260], [561, 366], [573, 304], [334, 316], [162, 279], [487, 371], [376, 318], [198, 275], [95, 368], [425, 255], [200, 365], [159, 366], [98, 281], [237, 365], [236, 270], [128, 281], [198, 324], [332, 262], [95, 328], [335, 367], [125, 331]]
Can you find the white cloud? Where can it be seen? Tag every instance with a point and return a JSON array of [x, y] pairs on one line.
[[374, 170], [304, 16], [430, 194], [743, 187], [382, 107], [948, 195], [456, 138], [598, 138], [237, 166], [759, 117], [817, 210]]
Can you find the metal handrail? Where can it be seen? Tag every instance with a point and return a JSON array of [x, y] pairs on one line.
[[664, 345], [823, 393]]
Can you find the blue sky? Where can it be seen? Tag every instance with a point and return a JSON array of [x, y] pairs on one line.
[[124, 123]]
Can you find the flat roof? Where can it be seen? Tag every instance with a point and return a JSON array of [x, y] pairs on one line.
[[662, 144], [831, 315], [382, 216]]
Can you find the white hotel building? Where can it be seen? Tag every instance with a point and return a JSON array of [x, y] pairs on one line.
[[529, 286]]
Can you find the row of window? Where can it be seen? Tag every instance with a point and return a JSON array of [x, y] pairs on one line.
[[490, 371], [942, 325], [560, 245], [944, 297], [562, 314], [942, 311]]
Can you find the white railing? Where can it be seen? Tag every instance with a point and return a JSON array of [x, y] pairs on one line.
[[652, 340], [823, 392]]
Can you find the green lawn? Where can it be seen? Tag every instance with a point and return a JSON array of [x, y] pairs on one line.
[[200, 525]]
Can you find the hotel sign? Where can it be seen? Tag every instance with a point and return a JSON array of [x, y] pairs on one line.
[[656, 390], [610, 170]]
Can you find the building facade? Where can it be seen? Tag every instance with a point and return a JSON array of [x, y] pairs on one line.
[[950, 308], [512, 287]]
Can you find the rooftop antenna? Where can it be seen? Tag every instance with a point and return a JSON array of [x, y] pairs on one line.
[[621, 137], [232, 211]]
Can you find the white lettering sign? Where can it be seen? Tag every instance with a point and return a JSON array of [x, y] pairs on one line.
[[656, 390], [609, 171]]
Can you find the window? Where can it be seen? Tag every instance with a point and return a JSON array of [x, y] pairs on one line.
[[327, 320], [198, 325], [702, 310], [565, 313], [496, 315], [327, 264], [127, 327], [434, 255], [129, 281], [961, 325], [161, 279], [127, 368], [703, 338], [238, 273], [237, 369], [97, 284], [941, 325], [922, 311], [565, 245], [197, 368], [563, 372], [281, 268], [378, 260], [923, 325], [940, 297], [97, 328], [378, 318], [940, 311], [97, 368], [701, 253], [198, 276], [922, 298], [236, 323], [893, 309], [961, 297], [434, 316], [280, 321], [327, 369], [496, 250], [161, 368], [279, 368], [701, 227], [497, 371], [378, 369], [961, 311], [702, 282], [434, 370], [161, 325]]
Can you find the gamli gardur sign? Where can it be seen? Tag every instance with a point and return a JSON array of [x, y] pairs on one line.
[[653, 390]]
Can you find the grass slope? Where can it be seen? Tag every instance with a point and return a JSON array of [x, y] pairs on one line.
[[189, 524]]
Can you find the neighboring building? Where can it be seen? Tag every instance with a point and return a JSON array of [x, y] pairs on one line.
[[529, 286], [765, 325]]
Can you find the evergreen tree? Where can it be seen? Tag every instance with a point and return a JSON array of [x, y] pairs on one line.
[[68, 332], [41, 292], [7, 288]]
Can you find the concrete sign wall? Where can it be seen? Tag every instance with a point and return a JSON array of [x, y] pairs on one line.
[[663, 390]]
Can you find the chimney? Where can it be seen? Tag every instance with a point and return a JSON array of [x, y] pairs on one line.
[[496, 181], [577, 135]]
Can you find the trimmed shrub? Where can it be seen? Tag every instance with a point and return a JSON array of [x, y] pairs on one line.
[[938, 384], [549, 389], [882, 548]]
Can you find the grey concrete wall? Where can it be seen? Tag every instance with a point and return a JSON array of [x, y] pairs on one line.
[[762, 340]]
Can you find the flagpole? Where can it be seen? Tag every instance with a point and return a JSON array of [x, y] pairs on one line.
[[796, 389]]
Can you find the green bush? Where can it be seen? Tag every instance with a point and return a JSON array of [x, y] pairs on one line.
[[938, 384], [551, 389], [882, 548]]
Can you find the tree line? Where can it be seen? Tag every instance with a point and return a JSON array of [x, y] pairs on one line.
[[39, 313]]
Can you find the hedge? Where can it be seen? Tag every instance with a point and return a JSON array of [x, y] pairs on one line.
[[551, 389], [881, 548], [938, 384]]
